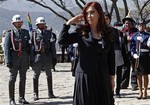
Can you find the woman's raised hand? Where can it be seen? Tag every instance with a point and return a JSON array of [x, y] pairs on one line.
[[75, 20]]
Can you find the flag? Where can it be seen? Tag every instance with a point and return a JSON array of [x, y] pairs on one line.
[[29, 23]]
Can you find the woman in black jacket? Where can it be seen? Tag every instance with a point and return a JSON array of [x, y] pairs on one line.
[[94, 79]]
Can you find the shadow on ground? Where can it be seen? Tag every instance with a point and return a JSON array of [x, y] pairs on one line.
[[52, 103]]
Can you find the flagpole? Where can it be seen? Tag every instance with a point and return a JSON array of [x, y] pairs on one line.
[[30, 26]]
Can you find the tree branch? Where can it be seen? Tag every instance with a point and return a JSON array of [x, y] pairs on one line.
[[125, 7], [105, 5], [83, 2], [146, 15], [145, 4], [114, 2], [112, 8], [136, 2], [56, 13], [147, 21], [63, 7], [77, 2]]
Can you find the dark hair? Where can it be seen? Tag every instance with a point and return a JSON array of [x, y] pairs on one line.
[[101, 26], [108, 15]]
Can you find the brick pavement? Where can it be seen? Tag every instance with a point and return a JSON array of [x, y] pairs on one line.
[[63, 84]]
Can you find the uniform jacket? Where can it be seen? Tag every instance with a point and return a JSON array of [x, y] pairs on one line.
[[11, 55], [48, 43], [134, 42]]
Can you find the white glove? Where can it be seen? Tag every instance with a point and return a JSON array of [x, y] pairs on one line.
[[148, 42], [75, 45], [135, 56], [140, 38]]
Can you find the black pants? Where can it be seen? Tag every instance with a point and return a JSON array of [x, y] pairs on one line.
[[133, 76], [118, 78], [12, 80], [129, 64]]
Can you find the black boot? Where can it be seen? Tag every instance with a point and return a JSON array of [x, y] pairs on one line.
[[50, 88], [12, 102], [118, 94], [35, 89], [23, 101], [22, 92], [11, 92]]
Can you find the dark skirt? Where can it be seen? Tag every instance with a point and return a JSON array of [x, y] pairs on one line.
[[144, 65], [92, 89]]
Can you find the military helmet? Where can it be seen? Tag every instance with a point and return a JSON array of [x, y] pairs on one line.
[[128, 18], [40, 20], [141, 21], [16, 18]]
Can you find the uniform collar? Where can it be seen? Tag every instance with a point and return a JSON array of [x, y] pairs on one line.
[[16, 30], [40, 31]]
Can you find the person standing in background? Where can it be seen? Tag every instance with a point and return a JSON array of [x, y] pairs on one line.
[[128, 30], [140, 51], [118, 54], [45, 56]]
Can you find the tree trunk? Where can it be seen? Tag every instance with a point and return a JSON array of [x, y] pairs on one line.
[[116, 10], [126, 7]]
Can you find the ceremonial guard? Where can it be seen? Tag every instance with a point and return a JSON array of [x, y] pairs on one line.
[[45, 56], [140, 52], [128, 30], [16, 50]]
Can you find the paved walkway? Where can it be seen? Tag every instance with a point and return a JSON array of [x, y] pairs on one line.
[[63, 84]]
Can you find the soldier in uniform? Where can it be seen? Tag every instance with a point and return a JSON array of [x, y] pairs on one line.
[[140, 52], [45, 56], [16, 51], [128, 30]]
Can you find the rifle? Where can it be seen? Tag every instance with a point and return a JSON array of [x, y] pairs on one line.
[[137, 60]]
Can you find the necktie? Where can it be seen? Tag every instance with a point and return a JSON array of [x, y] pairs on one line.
[[20, 44], [42, 32]]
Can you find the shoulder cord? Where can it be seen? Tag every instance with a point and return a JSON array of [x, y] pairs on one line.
[[13, 45], [34, 37]]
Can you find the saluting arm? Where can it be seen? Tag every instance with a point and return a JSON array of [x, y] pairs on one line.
[[66, 38]]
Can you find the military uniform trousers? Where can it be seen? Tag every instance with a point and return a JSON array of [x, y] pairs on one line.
[[21, 64], [42, 61]]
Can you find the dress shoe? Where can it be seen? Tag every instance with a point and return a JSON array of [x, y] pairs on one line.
[[12, 102], [123, 88], [51, 96], [134, 88], [118, 96], [23, 101], [145, 97], [36, 97], [140, 96]]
